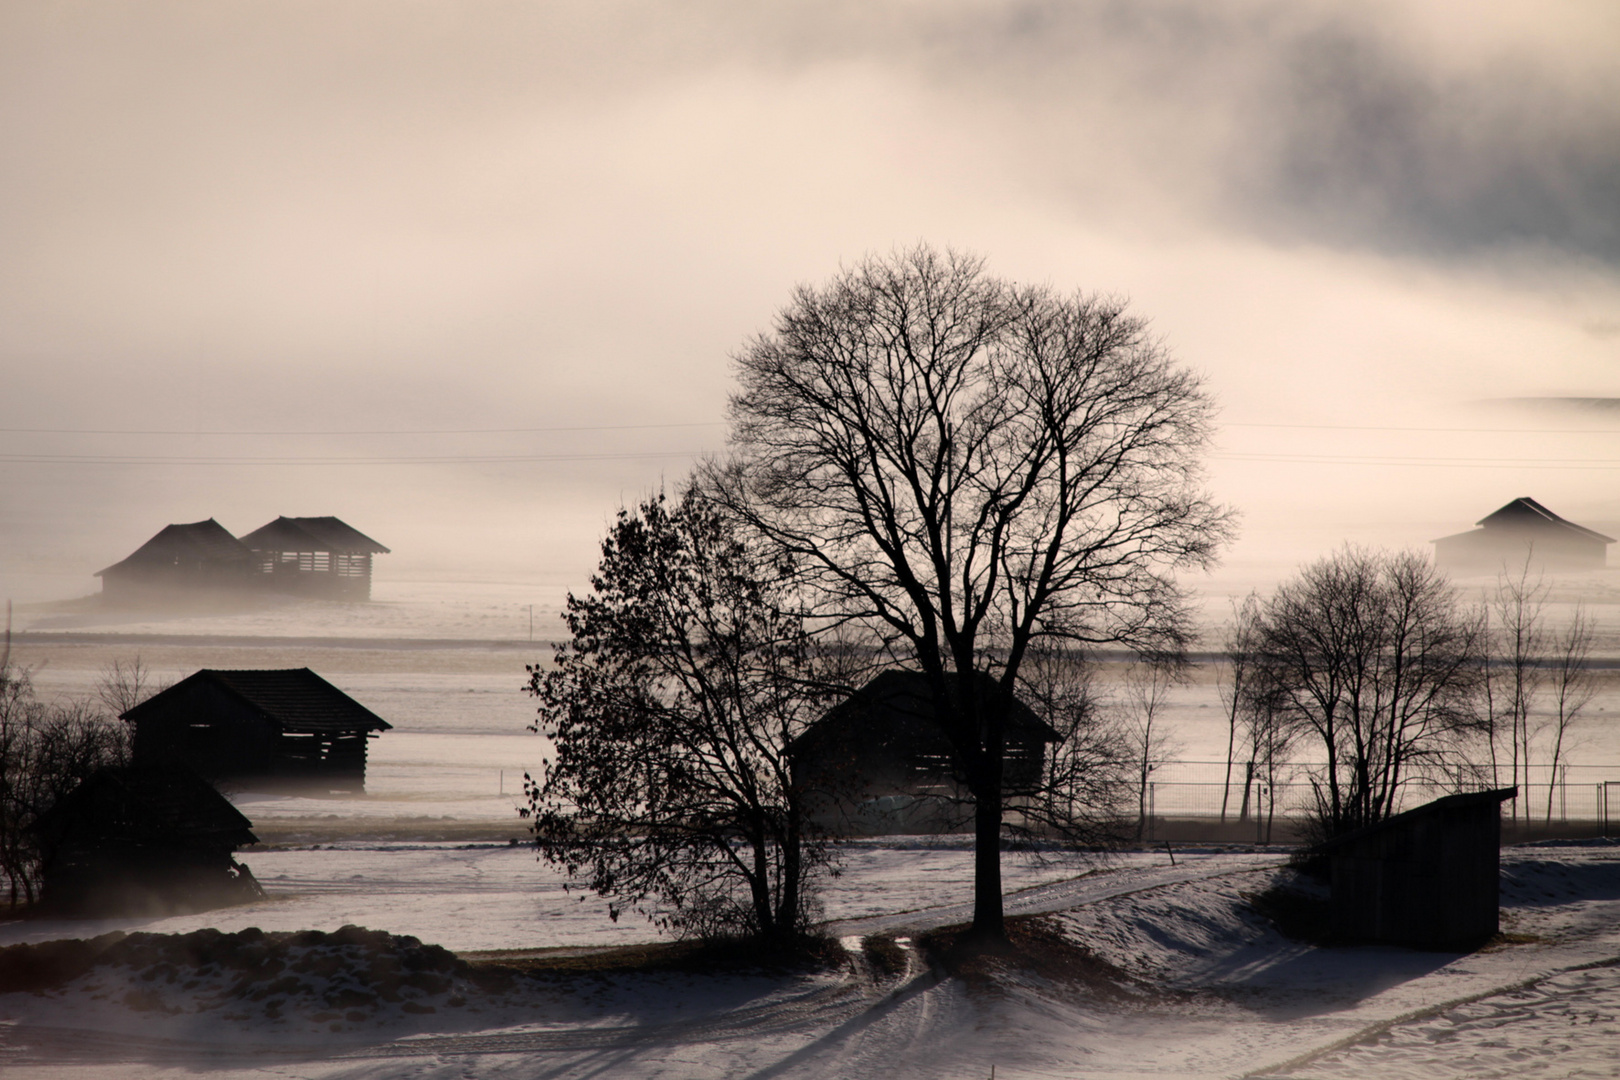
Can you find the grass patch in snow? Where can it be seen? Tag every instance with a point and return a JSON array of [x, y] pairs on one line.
[[886, 955]]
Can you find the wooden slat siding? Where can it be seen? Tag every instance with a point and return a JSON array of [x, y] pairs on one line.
[[1426, 879]]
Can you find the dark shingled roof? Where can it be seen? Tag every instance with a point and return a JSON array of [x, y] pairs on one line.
[[199, 541], [1526, 511], [162, 805], [899, 704], [295, 698], [312, 534]]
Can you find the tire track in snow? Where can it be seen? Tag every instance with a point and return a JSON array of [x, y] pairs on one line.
[[1054, 896]]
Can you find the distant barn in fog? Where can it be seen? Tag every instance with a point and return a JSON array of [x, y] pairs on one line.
[[181, 561], [1522, 530], [277, 729], [314, 556]]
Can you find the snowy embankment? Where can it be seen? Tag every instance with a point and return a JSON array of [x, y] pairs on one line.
[[1208, 986]]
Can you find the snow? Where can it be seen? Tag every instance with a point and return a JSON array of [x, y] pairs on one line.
[[1228, 995]]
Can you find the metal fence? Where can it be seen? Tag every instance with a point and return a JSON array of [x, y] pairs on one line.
[[1202, 789]]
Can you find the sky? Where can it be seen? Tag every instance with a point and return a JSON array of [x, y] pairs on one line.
[[470, 276]]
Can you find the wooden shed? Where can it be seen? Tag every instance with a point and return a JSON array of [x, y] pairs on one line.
[[143, 840], [880, 762], [314, 556], [275, 729], [1520, 531], [181, 562], [1427, 879]]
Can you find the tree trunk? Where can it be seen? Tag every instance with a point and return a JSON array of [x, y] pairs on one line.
[[988, 921], [1248, 783]]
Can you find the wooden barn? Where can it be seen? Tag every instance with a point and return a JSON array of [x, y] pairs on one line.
[[314, 556], [1426, 879], [1522, 530], [143, 840], [878, 762], [181, 562], [275, 729]]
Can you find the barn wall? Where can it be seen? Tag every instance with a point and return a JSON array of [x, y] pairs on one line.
[[207, 730], [1427, 882]]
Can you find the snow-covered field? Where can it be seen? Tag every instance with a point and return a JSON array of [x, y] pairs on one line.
[[1214, 991], [1217, 991]]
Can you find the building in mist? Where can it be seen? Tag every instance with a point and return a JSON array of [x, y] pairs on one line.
[[181, 562], [879, 762], [143, 840], [1522, 531], [270, 729], [314, 556]]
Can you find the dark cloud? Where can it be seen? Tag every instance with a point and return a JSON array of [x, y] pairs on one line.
[[1349, 124], [1363, 143]]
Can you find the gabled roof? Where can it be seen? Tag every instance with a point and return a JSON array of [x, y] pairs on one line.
[[898, 704], [200, 541], [312, 534], [297, 699], [161, 805], [1526, 511]]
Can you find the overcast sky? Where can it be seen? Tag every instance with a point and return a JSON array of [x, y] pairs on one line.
[[468, 275]]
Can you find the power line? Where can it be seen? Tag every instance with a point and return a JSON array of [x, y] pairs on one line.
[[1429, 462], [391, 431], [722, 423], [457, 459], [1445, 430]]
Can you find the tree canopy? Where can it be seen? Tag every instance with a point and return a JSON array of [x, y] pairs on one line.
[[671, 708], [967, 468], [1369, 657]]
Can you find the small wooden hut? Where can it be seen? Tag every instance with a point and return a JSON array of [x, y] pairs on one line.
[[181, 562], [1522, 531], [275, 729], [1427, 879], [143, 840], [314, 556], [880, 762]]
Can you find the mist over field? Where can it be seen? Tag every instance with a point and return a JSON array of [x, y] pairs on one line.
[[470, 277]]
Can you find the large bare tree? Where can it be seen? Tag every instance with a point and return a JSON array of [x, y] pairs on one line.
[[966, 467]]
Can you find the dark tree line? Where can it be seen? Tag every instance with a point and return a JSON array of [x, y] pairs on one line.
[[1373, 663]]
